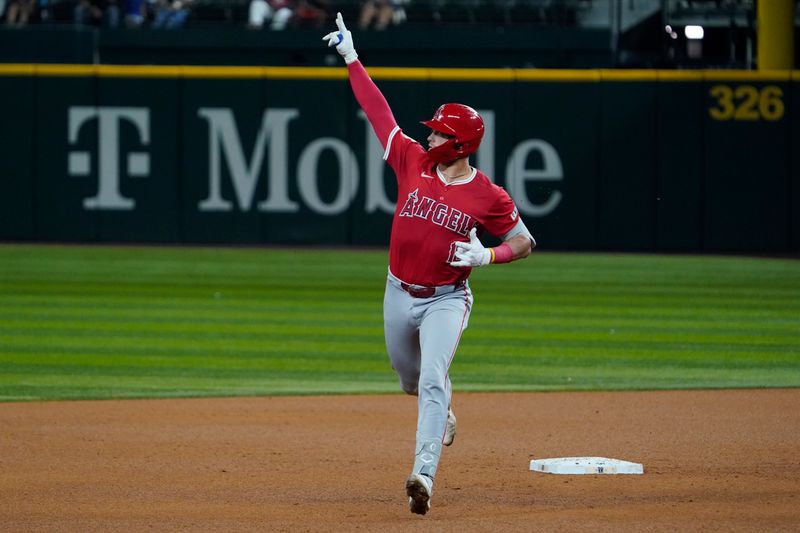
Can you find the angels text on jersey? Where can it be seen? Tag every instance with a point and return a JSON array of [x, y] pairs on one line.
[[437, 212]]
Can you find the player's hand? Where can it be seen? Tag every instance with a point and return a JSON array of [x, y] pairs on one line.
[[472, 253], [342, 40]]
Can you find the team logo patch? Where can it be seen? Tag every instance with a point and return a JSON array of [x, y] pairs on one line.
[[514, 213]]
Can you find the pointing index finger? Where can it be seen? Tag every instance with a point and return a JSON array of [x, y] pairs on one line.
[[340, 22]]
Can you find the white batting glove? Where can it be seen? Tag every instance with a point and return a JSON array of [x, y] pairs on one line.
[[472, 253], [342, 40]]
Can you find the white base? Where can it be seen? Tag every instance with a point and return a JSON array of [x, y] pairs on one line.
[[585, 465]]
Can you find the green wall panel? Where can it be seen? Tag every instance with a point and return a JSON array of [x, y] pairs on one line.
[[621, 162], [322, 170], [67, 166], [746, 168], [560, 123], [17, 154], [626, 194], [148, 167], [679, 166], [212, 110]]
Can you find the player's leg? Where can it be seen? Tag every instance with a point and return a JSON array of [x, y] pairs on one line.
[[402, 337], [440, 331], [400, 313]]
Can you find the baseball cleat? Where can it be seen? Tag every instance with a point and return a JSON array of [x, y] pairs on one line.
[[419, 489], [450, 431]]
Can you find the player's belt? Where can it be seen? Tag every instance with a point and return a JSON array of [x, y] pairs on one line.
[[417, 291]]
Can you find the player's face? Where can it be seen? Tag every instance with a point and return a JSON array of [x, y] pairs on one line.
[[437, 138]]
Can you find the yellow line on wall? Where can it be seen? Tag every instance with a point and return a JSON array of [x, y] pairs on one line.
[[396, 73], [550, 75], [749, 75], [64, 70], [16, 70]]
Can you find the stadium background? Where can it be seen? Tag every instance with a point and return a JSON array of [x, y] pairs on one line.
[[601, 151]]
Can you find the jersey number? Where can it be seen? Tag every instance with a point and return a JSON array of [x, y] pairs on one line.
[[452, 255]]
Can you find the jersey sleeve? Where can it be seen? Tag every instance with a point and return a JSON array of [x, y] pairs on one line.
[[373, 102], [402, 152], [503, 215]]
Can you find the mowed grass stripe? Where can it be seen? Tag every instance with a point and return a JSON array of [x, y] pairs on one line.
[[367, 324], [99, 357], [208, 344], [131, 387], [220, 314], [161, 305], [300, 357], [183, 329], [643, 300], [545, 301], [114, 290], [264, 334], [86, 322], [299, 369], [613, 320], [513, 353], [626, 378]]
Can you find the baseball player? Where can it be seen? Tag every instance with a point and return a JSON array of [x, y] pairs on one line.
[[442, 203]]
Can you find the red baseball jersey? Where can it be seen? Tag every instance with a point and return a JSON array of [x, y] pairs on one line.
[[431, 215]]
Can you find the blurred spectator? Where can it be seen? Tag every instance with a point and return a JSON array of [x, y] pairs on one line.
[[96, 13], [258, 13], [19, 11], [277, 12], [468, 8], [87, 12], [45, 11], [135, 12], [112, 13], [311, 13], [399, 15], [380, 13], [171, 14]]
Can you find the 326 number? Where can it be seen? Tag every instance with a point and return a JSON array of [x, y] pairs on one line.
[[746, 102]]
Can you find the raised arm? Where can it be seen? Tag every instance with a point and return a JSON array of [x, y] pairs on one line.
[[367, 94]]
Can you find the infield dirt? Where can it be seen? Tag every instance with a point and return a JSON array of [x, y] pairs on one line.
[[714, 461]]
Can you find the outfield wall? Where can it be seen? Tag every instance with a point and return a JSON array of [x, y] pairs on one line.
[[595, 159]]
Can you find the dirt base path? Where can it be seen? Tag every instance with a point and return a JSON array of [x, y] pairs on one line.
[[714, 461]]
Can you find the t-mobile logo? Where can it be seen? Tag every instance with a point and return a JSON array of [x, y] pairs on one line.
[[137, 164]]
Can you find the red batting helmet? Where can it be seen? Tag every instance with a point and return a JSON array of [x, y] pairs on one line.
[[463, 123]]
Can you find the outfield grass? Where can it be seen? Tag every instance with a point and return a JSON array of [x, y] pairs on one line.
[[123, 322]]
